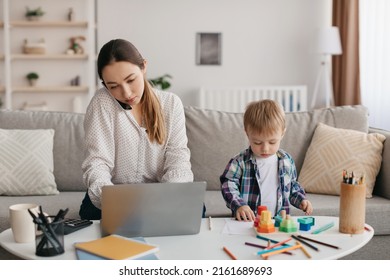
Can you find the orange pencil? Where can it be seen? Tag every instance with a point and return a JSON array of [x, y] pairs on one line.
[[227, 251], [278, 244], [266, 255], [304, 250]]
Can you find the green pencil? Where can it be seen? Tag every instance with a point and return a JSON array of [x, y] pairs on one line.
[[323, 228]]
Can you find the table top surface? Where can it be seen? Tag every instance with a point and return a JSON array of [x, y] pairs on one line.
[[209, 243]]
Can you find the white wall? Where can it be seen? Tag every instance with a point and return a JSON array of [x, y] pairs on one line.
[[264, 42]]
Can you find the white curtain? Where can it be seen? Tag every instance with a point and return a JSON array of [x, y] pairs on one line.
[[374, 24]]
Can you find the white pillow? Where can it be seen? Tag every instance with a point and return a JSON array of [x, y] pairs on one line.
[[334, 149], [26, 162]]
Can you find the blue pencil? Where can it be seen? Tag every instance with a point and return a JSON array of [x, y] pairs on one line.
[[272, 250], [323, 228]]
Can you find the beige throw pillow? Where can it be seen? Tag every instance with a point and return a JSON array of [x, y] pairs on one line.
[[332, 150], [26, 162]]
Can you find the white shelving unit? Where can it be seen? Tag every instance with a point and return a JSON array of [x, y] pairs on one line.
[[55, 67], [25, 23]]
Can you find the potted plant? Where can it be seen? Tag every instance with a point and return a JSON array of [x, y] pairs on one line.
[[32, 78], [161, 82], [34, 14]]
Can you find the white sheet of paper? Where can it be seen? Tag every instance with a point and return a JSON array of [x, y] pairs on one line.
[[233, 226]]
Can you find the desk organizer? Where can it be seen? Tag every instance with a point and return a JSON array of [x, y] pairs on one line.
[[50, 238], [352, 208]]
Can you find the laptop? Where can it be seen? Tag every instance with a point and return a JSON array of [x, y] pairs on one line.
[[152, 209]]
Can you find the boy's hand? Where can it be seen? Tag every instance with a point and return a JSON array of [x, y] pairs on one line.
[[306, 207], [245, 213]]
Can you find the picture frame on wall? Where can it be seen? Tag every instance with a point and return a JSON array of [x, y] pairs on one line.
[[208, 48]]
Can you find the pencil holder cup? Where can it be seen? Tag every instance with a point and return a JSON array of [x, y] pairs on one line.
[[49, 239], [352, 208]]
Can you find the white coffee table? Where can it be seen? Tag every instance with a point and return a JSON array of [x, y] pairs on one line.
[[208, 243]]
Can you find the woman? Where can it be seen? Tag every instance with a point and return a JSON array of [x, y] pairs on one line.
[[133, 132]]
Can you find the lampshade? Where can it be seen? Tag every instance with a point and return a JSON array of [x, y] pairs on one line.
[[327, 41]]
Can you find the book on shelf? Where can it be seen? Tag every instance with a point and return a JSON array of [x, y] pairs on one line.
[[115, 247]]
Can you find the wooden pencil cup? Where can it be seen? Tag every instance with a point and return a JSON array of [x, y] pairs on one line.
[[352, 208]]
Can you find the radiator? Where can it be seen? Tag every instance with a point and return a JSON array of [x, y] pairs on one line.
[[235, 99]]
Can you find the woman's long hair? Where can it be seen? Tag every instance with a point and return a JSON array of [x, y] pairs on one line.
[[122, 50]]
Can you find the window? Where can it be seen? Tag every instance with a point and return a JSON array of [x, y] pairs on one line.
[[374, 46]]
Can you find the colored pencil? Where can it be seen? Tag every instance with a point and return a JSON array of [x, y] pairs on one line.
[[279, 243], [318, 242], [323, 228], [270, 250], [304, 250], [263, 247], [268, 239], [227, 251], [304, 242], [284, 249]]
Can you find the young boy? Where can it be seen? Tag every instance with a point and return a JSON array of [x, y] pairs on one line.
[[263, 174]]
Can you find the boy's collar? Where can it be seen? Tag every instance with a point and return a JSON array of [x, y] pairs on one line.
[[280, 154]]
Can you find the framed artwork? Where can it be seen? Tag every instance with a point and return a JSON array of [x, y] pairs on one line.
[[208, 48]]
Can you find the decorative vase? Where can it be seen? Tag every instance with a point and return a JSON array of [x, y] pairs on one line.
[[33, 82], [33, 18]]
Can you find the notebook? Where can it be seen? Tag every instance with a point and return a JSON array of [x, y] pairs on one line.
[[152, 209], [84, 255], [115, 247]]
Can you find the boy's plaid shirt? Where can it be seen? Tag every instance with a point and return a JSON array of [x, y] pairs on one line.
[[239, 182]]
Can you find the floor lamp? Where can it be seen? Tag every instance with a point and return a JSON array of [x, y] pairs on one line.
[[327, 43]]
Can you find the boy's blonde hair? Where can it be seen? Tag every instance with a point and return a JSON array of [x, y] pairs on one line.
[[264, 116]]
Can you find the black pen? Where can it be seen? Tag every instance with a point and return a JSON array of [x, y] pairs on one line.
[[61, 215], [47, 236]]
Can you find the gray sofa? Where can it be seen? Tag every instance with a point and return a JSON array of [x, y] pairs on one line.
[[213, 138]]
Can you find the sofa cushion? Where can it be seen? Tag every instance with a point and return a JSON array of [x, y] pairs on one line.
[[214, 136], [26, 162], [382, 182], [68, 149], [333, 150], [301, 126]]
